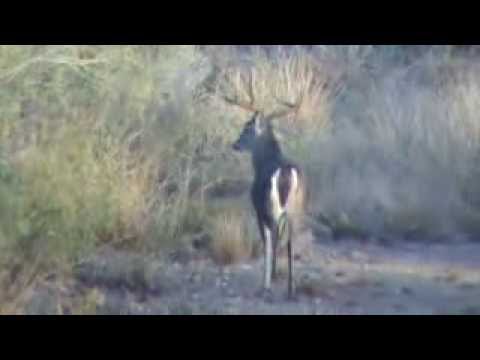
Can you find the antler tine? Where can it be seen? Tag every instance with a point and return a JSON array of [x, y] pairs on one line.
[[291, 107], [250, 88], [243, 104]]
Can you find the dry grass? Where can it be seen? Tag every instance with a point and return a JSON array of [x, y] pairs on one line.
[[85, 158], [402, 156], [231, 238]]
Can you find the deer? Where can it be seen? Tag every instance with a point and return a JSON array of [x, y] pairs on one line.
[[278, 190]]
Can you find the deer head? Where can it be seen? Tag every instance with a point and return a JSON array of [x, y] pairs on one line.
[[253, 129], [260, 123]]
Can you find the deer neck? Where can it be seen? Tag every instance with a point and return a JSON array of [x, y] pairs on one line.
[[266, 156]]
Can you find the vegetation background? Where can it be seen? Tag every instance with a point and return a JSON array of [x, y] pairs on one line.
[[129, 146]]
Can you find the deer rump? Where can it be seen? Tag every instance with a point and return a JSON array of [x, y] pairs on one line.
[[282, 197]]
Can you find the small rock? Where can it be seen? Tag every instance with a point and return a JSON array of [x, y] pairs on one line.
[[451, 276], [471, 310], [467, 286], [196, 278], [399, 307], [359, 256], [201, 241], [322, 232], [231, 293], [406, 291], [245, 267], [182, 256], [43, 302], [378, 294], [351, 303]]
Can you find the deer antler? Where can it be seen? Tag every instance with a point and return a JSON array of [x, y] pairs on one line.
[[250, 106], [291, 107]]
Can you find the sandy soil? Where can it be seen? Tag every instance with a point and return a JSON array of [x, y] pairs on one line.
[[340, 277]]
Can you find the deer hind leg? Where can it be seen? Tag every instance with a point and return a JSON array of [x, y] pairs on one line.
[[261, 228], [290, 271], [266, 237], [268, 247], [281, 226], [275, 240], [291, 285]]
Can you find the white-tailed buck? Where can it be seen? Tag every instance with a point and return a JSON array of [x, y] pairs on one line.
[[278, 189]]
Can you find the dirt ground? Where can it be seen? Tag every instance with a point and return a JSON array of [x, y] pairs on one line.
[[339, 278]]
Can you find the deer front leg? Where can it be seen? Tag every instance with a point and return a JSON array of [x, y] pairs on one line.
[[275, 240], [291, 283], [267, 270], [290, 271], [267, 257]]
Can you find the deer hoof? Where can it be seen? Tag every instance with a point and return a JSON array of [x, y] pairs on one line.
[[266, 294], [292, 297]]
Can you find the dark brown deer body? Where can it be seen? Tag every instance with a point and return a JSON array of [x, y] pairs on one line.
[[277, 194]]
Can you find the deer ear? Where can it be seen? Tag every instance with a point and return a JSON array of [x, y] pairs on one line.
[[260, 122]]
